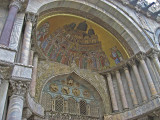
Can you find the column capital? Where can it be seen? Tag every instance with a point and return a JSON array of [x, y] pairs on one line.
[[19, 87], [108, 74], [132, 62], [153, 54], [125, 67], [17, 3], [140, 56], [31, 17]]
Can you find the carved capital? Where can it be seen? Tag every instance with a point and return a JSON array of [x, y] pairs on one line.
[[19, 88], [108, 74], [17, 3], [31, 17], [140, 56], [125, 67], [154, 54], [132, 62]]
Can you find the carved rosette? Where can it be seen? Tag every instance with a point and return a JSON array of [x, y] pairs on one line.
[[19, 87], [17, 3]]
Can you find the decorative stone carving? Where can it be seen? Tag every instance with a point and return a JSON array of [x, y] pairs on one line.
[[19, 87], [76, 92], [53, 87], [140, 56], [70, 82], [65, 90], [31, 17], [17, 3], [26, 113], [86, 94], [5, 72]]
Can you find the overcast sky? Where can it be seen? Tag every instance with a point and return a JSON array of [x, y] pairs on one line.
[[151, 1]]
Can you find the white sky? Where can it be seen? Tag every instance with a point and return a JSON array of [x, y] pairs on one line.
[[151, 1]]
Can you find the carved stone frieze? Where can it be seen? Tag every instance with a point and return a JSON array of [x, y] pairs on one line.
[[18, 87]]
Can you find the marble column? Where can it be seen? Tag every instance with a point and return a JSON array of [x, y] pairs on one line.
[[130, 85], [132, 63], [112, 93], [16, 100], [15, 6], [34, 76], [3, 96], [151, 85], [25, 54], [31, 57], [121, 89], [154, 57]]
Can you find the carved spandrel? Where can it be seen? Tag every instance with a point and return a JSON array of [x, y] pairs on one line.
[[18, 87]]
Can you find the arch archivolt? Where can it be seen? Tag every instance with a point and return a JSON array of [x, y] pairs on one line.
[[118, 21]]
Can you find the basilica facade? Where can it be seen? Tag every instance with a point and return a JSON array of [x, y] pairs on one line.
[[79, 60]]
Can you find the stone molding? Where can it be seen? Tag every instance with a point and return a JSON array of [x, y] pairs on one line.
[[19, 88], [17, 3]]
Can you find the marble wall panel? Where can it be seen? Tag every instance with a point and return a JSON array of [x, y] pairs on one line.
[[22, 72], [16, 32]]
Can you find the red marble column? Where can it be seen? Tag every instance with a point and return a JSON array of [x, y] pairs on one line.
[[8, 26]]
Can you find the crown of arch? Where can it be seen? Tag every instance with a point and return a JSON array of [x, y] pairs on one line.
[[109, 14]]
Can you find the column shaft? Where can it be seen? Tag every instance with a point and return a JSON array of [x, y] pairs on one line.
[[3, 96], [139, 81], [156, 62], [7, 29], [131, 88], [148, 77], [15, 108], [112, 93], [34, 76], [122, 93], [31, 57], [26, 43]]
